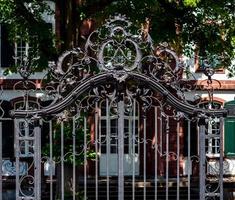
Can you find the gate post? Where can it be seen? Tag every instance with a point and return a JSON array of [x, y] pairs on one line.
[[202, 157], [34, 179]]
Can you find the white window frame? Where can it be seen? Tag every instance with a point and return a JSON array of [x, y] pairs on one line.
[[112, 154], [115, 117], [21, 49]]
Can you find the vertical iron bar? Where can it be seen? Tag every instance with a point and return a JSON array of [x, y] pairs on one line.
[[202, 167], [85, 158], [107, 145], [189, 158], [0, 154], [145, 143], [26, 129], [160, 130], [37, 162], [133, 150], [178, 160], [74, 158], [96, 149], [62, 159], [221, 167], [51, 160], [156, 148], [17, 152], [99, 140], [121, 150], [167, 157]]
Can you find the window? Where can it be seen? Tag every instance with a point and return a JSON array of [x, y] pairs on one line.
[[113, 120], [212, 142], [13, 53], [22, 48], [108, 135]]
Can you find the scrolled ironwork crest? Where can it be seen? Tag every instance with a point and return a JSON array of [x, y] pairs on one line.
[[113, 53]]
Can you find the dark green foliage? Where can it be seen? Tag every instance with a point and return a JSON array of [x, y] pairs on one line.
[[68, 143], [24, 20], [209, 24]]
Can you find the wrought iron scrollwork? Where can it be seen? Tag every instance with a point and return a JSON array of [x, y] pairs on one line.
[[113, 51], [116, 66]]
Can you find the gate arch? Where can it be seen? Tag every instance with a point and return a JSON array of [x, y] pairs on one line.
[[122, 69], [102, 78]]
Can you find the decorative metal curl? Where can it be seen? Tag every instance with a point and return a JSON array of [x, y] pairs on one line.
[[113, 50]]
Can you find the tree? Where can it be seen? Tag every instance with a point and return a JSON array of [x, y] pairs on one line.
[[206, 25], [23, 19]]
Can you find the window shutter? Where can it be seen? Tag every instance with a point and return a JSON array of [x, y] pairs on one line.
[[229, 129], [7, 49], [7, 132], [229, 145], [193, 139], [8, 139]]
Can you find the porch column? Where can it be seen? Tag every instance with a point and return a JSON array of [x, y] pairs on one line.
[[202, 156], [120, 150]]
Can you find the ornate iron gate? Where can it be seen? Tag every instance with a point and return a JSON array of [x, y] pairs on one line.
[[110, 121]]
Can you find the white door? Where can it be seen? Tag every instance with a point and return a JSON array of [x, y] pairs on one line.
[[109, 129]]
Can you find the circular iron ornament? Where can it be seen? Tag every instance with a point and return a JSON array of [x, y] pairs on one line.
[[125, 55]]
